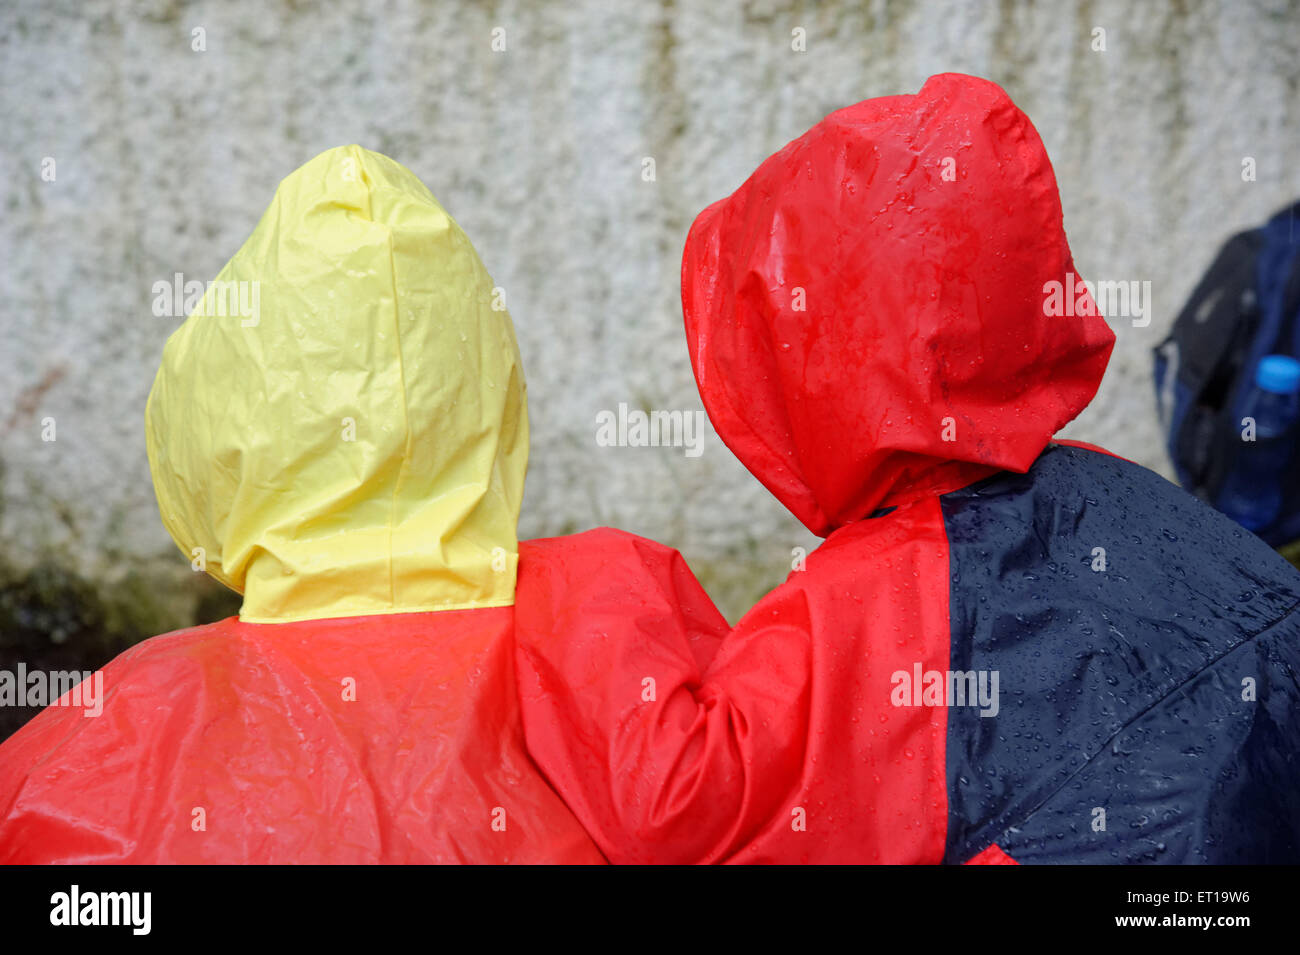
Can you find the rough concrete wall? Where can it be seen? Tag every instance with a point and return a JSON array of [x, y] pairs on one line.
[[167, 156]]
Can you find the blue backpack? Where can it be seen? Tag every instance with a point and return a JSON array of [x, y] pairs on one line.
[[1246, 306]]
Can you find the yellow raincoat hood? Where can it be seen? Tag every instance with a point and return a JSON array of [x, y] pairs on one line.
[[344, 430]]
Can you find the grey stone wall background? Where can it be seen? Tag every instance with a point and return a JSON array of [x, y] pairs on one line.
[[167, 156]]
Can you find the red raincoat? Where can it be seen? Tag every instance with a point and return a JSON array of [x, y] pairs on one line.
[[1006, 650], [865, 317]]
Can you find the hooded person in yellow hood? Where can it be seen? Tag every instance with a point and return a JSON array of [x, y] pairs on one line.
[[339, 432]]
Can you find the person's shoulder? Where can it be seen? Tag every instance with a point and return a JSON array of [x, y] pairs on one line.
[[177, 652], [605, 571], [593, 549], [166, 663]]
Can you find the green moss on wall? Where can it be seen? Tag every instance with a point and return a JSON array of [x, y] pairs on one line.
[[51, 618]]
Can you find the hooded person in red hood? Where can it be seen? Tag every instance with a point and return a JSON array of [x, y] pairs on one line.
[[1007, 649]]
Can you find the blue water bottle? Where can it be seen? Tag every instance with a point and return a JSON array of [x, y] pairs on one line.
[[1252, 494]]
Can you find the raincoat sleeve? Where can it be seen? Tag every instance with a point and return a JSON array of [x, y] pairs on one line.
[[669, 745]]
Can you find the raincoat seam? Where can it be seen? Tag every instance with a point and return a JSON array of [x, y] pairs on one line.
[[1140, 716], [390, 611], [793, 463], [406, 418]]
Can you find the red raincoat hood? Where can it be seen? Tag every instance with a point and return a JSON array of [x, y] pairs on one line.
[[867, 314]]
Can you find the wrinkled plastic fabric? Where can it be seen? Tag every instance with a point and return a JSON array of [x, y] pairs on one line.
[[379, 739], [1148, 651], [868, 331], [866, 313], [359, 444], [677, 740], [353, 449]]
